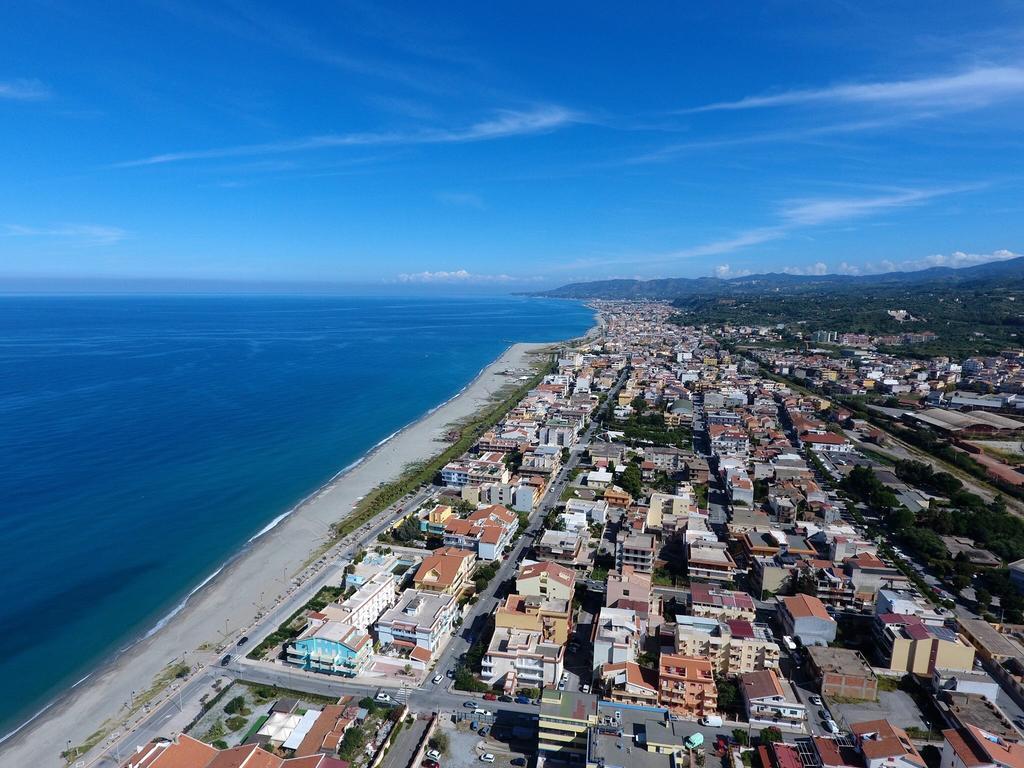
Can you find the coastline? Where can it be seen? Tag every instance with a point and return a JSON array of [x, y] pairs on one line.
[[253, 576]]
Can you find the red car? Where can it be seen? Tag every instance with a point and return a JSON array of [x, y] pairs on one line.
[[490, 697]]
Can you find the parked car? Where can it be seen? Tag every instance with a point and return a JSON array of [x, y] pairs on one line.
[[490, 697], [469, 704], [428, 763], [383, 698], [486, 757], [815, 700], [242, 640], [505, 698], [832, 726], [450, 673], [518, 761], [523, 699], [433, 754], [437, 679], [474, 725], [482, 732], [714, 721], [226, 660]]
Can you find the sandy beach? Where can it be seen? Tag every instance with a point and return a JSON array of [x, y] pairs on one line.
[[230, 600]]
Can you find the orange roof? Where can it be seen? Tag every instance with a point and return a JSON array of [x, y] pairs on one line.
[[186, 752], [250, 756], [806, 606], [880, 739], [553, 570], [441, 569], [325, 723]]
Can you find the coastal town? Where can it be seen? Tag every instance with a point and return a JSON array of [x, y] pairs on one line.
[[679, 546]]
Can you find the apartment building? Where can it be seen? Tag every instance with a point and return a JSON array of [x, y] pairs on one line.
[[637, 551], [446, 570], [617, 636], [546, 579], [908, 644], [710, 561], [563, 726], [551, 617], [972, 747], [770, 701], [362, 608], [331, 647], [518, 658], [884, 745], [686, 686], [805, 617], [734, 647], [716, 602], [419, 619], [628, 683]]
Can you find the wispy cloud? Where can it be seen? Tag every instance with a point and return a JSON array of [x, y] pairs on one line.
[[817, 268], [83, 235], [460, 276], [972, 88], [956, 259], [810, 212], [505, 124], [24, 90]]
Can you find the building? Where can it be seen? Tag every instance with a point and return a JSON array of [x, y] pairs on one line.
[[908, 644], [884, 745], [637, 551], [362, 608], [331, 647], [550, 617], [733, 647], [564, 724], [485, 532], [546, 579], [629, 683], [805, 617], [710, 561], [652, 738], [770, 701], [617, 636], [186, 752], [565, 548], [436, 519], [686, 686], [971, 747], [718, 603], [843, 672], [419, 619], [631, 589], [446, 570], [518, 658], [596, 511]]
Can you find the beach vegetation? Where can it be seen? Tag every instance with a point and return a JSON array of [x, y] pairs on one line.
[[439, 741], [291, 627], [387, 494], [216, 731], [236, 723], [237, 706]]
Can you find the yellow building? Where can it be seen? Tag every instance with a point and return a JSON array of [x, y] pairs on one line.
[[912, 646], [734, 647], [551, 617], [546, 579], [565, 718]]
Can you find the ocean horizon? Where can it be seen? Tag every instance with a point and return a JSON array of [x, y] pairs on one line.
[[149, 438]]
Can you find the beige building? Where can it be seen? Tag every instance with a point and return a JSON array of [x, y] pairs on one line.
[[733, 647], [550, 617], [546, 579], [517, 658], [911, 645]]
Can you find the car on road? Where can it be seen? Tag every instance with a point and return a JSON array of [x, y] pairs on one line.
[[469, 704], [815, 700], [506, 699], [490, 697], [486, 757], [382, 697], [518, 761], [242, 640], [433, 754], [226, 660], [523, 700], [437, 679], [450, 673]]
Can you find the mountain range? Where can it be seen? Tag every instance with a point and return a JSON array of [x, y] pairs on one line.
[[1008, 273]]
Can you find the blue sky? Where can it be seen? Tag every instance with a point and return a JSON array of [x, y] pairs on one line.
[[506, 146]]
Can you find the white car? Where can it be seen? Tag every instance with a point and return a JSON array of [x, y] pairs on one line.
[[815, 700], [486, 757], [833, 726], [383, 697], [433, 754], [437, 679]]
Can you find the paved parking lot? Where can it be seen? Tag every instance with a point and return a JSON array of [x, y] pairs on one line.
[[465, 748], [895, 706]]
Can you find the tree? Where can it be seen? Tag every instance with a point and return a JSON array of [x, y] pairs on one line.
[[984, 598], [352, 743], [771, 735], [728, 694], [740, 736], [439, 741], [235, 706], [632, 481]]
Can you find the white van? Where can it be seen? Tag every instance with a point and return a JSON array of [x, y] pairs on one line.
[[713, 721], [481, 712]]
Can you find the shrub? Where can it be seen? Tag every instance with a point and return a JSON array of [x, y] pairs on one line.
[[236, 723]]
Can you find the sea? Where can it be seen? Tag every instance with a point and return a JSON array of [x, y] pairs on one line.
[[146, 439]]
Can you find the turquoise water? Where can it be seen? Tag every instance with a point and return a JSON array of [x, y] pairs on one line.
[[145, 439]]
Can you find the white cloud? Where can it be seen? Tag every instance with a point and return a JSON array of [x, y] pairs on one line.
[[79, 234], [818, 268], [461, 276], [725, 271], [814, 211], [956, 259], [971, 88], [24, 90], [506, 123]]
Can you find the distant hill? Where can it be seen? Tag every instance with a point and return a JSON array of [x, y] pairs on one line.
[[1002, 273]]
